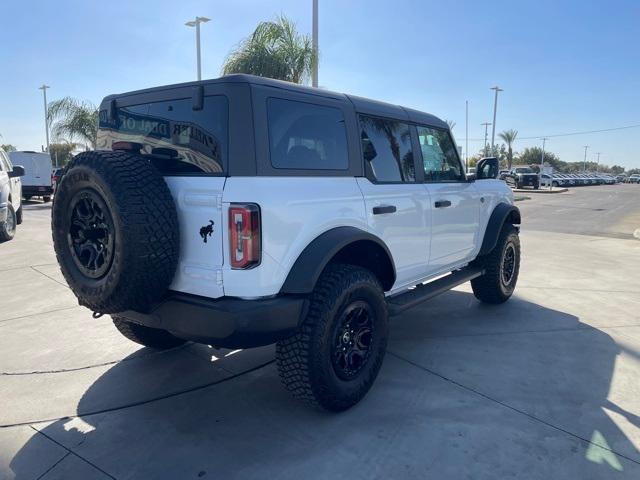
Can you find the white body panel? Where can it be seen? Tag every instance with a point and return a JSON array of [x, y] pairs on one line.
[[454, 229], [37, 168], [198, 201], [296, 210], [407, 231]]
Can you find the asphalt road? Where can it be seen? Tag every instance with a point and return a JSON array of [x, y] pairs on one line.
[[607, 211], [542, 387]]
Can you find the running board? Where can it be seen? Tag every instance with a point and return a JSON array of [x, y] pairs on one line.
[[399, 303]]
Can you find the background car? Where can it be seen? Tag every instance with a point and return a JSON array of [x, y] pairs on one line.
[[522, 176], [10, 197]]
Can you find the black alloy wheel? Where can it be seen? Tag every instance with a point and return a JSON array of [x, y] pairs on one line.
[[352, 339], [91, 235]]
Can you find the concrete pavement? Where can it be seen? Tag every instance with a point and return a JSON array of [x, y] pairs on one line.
[[544, 386]]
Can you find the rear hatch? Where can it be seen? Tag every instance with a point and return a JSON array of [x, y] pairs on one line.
[[189, 147]]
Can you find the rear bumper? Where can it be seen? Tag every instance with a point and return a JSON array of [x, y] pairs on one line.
[[37, 190], [225, 322]]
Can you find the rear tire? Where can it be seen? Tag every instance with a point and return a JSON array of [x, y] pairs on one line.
[[502, 266], [46, 199], [115, 231], [335, 356], [8, 227], [147, 336]]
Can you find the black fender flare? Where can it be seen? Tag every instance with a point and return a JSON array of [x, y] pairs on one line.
[[314, 258], [502, 214]]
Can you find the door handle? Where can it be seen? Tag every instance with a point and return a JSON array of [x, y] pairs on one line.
[[442, 203], [384, 209]]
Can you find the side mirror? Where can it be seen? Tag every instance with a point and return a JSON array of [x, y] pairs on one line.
[[471, 177], [487, 168], [18, 171]]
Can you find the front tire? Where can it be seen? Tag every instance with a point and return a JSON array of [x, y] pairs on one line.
[[335, 356], [147, 336], [502, 267], [8, 227], [46, 199]]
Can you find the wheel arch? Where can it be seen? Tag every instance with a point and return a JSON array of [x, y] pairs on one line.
[[348, 245], [503, 213]]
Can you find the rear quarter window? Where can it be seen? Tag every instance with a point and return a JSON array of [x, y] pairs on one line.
[[305, 136], [183, 140]]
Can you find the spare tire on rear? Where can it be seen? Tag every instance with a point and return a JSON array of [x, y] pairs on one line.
[[115, 231]]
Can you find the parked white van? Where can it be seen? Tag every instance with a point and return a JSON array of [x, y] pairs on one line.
[[37, 177]]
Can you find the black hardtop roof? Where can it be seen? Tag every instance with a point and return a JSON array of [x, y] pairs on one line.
[[364, 105]]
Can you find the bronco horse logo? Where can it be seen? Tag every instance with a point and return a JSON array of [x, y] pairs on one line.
[[206, 231]]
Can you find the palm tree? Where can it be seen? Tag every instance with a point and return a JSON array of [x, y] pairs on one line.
[[275, 50], [73, 119], [509, 136]]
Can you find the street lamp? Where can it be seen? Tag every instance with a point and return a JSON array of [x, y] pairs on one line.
[[46, 115], [598, 162], [196, 23], [495, 108], [314, 74], [584, 163]]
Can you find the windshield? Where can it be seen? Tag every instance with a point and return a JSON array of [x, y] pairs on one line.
[[524, 170]]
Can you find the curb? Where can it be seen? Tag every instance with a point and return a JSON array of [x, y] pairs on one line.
[[540, 190]]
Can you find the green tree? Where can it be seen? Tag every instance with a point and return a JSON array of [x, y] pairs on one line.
[[616, 170], [532, 155], [7, 147], [72, 119], [274, 50], [61, 152], [509, 137]]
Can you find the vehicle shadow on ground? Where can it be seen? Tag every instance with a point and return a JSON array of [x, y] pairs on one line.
[[408, 425]]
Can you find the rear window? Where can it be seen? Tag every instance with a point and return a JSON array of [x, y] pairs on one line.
[[182, 140], [305, 136]]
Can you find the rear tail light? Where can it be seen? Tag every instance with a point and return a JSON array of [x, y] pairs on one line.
[[244, 235]]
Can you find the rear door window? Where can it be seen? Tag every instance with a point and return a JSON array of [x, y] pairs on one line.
[[183, 139], [306, 136], [386, 148]]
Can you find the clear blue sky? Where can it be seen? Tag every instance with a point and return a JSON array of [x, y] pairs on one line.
[[565, 66]]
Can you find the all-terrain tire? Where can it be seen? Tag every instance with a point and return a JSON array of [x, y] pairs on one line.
[[19, 215], [46, 198], [147, 336], [8, 228], [140, 248], [306, 360], [495, 286]]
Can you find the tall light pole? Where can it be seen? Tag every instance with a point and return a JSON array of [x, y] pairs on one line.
[[495, 108], [314, 42], [584, 163], [46, 113], [486, 127], [196, 23], [598, 164], [544, 142], [466, 136]]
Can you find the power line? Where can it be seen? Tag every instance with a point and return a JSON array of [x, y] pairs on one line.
[[569, 134]]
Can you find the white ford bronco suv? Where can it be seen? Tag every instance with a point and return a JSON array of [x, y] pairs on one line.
[[244, 211]]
